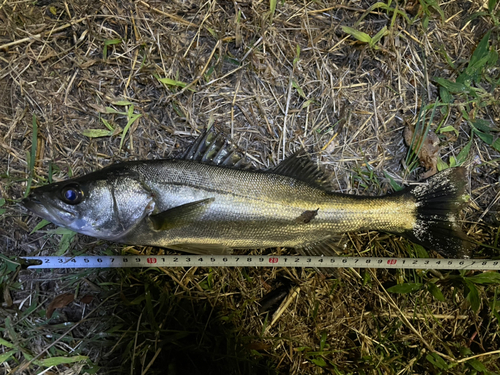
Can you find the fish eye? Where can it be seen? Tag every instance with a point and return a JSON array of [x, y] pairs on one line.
[[72, 194]]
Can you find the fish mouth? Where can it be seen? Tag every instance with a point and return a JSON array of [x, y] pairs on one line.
[[45, 209]]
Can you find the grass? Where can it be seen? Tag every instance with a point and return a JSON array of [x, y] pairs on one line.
[[89, 83]]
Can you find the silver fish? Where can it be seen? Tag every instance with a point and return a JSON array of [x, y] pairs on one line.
[[204, 203]]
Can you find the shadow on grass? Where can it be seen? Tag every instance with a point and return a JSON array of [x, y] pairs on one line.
[[161, 330]]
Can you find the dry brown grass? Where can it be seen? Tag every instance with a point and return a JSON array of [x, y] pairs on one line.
[[275, 83]]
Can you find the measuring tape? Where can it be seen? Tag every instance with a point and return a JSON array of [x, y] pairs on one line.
[[129, 261]]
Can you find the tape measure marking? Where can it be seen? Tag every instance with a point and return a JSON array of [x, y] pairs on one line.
[[129, 261]]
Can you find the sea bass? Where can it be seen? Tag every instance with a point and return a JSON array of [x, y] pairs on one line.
[[205, 203]]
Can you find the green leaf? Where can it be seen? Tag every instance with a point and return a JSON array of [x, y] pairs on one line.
[[376, 38], [97, 133], [487, 138], [493, 58], [319, 362], [2, 201], [484, 125], [485, 278], [476, 365], [122, 102], [481, 52], [272, 8], [7, 344], [112, 110], [172, 82], [131, 120], [435, 291], [445, 95], [491, 5], [434, 4], [110, 42], [322, 341], [437, 361], [405, 288], [448, 128], [40, 225], [393, 183], [299, 89], [56, 361], [464, 153], [107, 124], [425, 22], [472, 296], [65, 243], [454, 87], [359, 35], [6, 356]]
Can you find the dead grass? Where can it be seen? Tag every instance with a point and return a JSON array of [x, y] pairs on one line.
[[275, 83]]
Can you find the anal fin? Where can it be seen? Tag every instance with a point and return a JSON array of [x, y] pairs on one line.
[[330, 246], [202, 249]]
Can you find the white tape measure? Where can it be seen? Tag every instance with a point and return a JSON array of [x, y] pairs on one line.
[[128, 261]]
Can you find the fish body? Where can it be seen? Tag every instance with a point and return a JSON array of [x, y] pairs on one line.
[[201, 207]]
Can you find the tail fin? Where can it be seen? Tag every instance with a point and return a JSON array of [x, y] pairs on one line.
[[438, 205]]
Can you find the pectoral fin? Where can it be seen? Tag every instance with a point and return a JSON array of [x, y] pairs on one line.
[[180, 215]]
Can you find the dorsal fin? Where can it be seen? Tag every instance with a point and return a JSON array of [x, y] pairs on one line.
[[300, 167], [212, 147]]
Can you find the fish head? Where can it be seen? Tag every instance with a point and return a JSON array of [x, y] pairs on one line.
[[105, 204]]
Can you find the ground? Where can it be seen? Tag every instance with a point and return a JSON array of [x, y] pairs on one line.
[[87, 83]]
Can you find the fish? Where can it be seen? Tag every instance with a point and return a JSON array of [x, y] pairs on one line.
[[210, 202]]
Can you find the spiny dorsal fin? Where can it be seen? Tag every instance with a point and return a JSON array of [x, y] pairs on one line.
[[213, 147], [300, 167]]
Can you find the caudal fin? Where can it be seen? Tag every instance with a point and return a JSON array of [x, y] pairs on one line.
[[439, 201]]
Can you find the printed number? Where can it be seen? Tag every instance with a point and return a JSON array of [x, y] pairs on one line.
[[379, 261], [224, 259], [249, 259], [344, 260], [212, 259], [484, 263], [332, 260], [86, 260], [176, 259], [47, 261], [297, 260], [450, 262], [237, 259], [414, 262], [308, 260], [200, 259], [125, 260], [495, 263], [138, 260], [188, 259], [99, 260], [438, 262], [73, 260], [112, 260], [461, 263], [368, 261], [320, 260], [356, 261], [426, 262], [261, 259]]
